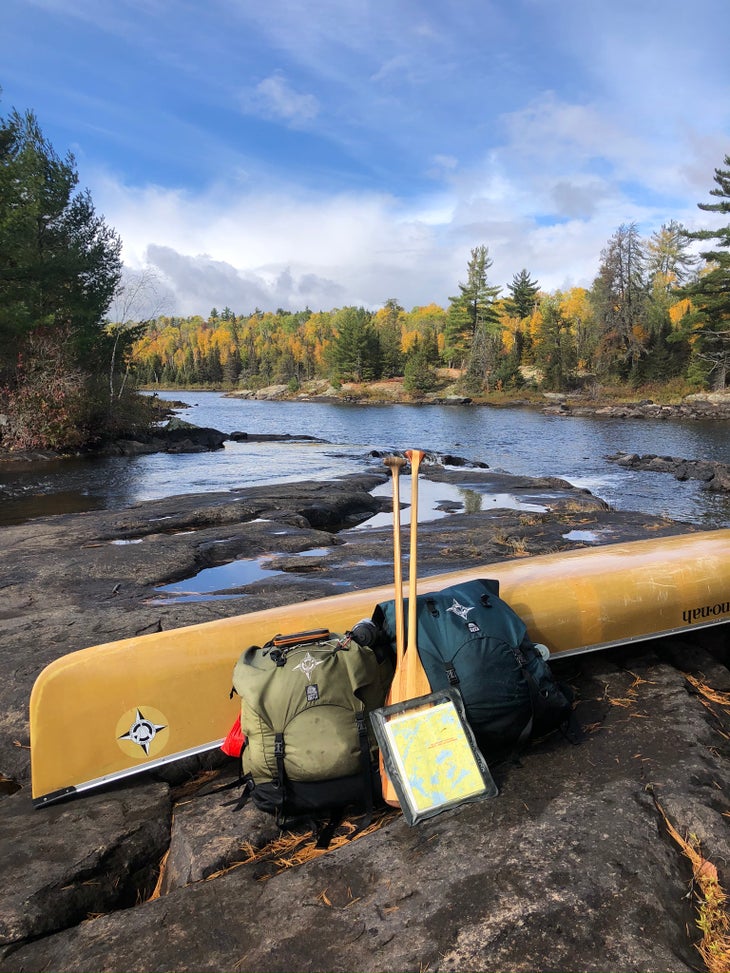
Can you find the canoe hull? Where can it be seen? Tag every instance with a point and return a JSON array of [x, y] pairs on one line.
[[113, 710]]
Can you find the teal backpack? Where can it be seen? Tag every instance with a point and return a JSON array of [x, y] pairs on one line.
[[470, 639]]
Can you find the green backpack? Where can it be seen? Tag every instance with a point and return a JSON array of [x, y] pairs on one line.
[[305, 700]]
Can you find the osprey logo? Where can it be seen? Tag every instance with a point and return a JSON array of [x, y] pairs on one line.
[[461, 610], [308, 665]]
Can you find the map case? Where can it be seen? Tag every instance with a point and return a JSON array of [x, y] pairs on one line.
[[430, 754]]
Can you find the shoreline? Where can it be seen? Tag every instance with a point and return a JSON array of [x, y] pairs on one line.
[[702, 406]]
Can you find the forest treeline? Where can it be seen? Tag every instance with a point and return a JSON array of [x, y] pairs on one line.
[[636, 325], [75, 345], [494, 342]]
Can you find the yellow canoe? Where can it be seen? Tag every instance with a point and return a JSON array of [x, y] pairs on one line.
[[113, 710]]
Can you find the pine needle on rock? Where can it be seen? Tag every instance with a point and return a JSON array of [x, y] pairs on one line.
[[712, 919]]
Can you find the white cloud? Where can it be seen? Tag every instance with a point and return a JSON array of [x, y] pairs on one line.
[[274, 97], [293, 250], [199, 283], [547, 199]]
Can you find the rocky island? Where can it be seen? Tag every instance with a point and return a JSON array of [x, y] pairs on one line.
[[583, 861]]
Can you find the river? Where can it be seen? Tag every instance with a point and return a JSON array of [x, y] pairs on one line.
[[515, 440]]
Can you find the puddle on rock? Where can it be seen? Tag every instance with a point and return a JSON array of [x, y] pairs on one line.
[[587, 536], [438, 500], [221, 582], [214, 584]]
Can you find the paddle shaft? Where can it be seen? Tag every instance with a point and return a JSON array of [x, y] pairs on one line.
[[416, 682], [395, 463]]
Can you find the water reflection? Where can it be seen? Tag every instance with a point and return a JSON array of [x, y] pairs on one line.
[[439, 500], [214, 583], [472, 500]]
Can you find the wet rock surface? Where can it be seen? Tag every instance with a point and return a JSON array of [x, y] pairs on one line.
[[571, 867], [703, 406], [714, 476]]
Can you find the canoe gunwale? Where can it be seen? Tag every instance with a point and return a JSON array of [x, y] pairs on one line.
[[55, 797], [633, 639]]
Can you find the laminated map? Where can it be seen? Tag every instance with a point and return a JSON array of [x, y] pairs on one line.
[[431, 756]]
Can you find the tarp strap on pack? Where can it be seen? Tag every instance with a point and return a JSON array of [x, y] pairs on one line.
[[534, 696], [279, 756], [326, 833], [367, 778], [280, 776], [247, 783], [367, 767]]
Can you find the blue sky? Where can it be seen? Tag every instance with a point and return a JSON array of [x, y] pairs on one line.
[[293, 153]]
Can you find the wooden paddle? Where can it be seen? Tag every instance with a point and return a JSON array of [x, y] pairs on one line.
[[416, 682], [410, 679], [395, 463]]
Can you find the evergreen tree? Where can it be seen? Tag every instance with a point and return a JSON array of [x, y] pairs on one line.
[[667, 348], [430, 343], [232, 368], [472, 316], [389, 334], [524, 293], [483, 360], [419, 375], [355, 350], [555, 349], [59, 262], [667, 354], [213, 367], [710, 292], [187, 373], [508, 374]]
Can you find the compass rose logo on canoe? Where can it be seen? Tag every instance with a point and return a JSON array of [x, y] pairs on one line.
[[142, 732]]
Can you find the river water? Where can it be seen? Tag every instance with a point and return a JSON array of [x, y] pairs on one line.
[[515, 440]]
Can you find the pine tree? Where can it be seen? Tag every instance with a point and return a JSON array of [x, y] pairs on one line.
[[59, 262], [555, 349], [355, 350], [524, 293], [389, 334], [472, 315], [710, 292], [419, 376]]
